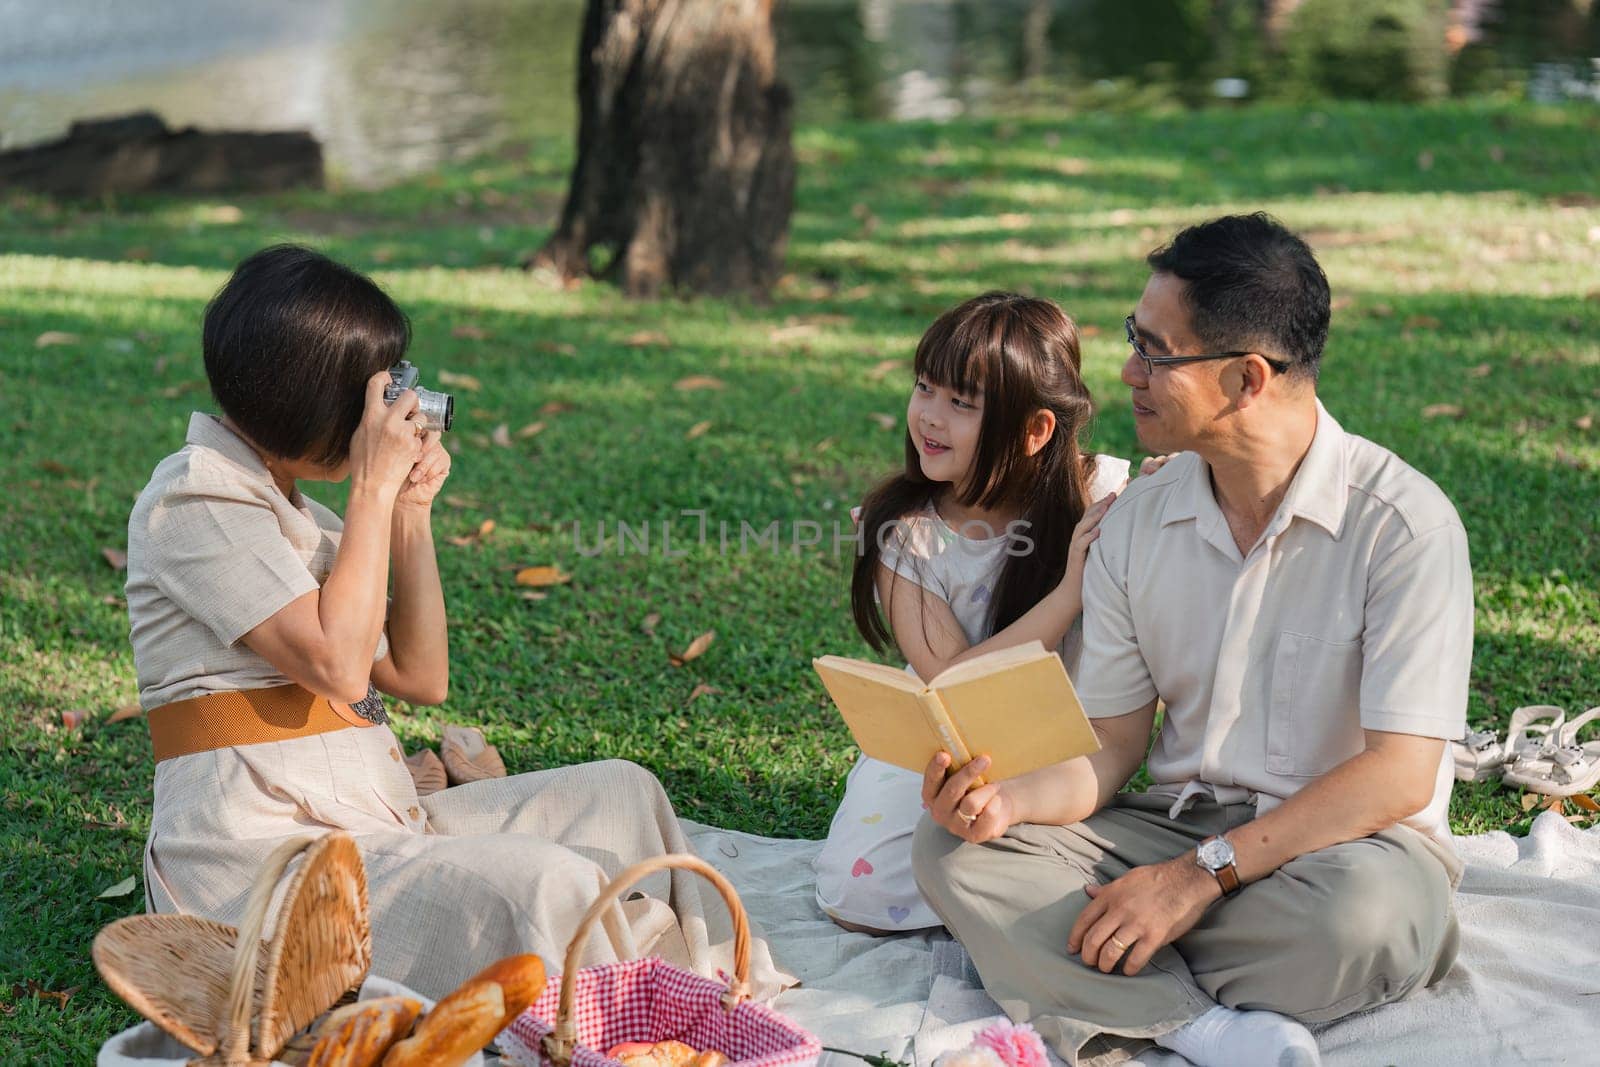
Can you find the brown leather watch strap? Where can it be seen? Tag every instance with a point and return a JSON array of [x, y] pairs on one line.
[[1229, 878]]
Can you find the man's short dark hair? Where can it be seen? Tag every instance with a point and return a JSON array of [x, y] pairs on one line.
[[1252, 286], [290, 342]]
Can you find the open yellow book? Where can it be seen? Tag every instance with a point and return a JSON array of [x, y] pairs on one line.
[[1015, 705]]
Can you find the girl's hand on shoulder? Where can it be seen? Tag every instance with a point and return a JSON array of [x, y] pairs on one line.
[[387, 445], [1083, 535], [1151, 464], [972, 812], [427, 476]]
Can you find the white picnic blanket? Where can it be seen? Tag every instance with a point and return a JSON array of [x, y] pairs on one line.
[[1525, 988]]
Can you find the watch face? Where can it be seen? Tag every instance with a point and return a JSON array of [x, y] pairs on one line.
[[1215, 854]]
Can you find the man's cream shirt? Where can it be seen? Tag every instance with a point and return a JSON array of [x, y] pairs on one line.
[[1352, 612]]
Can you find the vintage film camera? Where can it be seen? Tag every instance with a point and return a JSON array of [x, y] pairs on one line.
[[438, 410]]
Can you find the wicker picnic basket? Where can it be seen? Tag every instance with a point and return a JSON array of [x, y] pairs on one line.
[[652, 1000], [224, 993]]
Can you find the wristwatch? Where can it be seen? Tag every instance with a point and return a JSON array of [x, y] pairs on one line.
[[1216, 855]]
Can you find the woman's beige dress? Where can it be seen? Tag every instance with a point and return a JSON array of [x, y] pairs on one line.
[[457, 879]]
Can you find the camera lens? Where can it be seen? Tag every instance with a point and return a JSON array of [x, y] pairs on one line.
[[449, 410]]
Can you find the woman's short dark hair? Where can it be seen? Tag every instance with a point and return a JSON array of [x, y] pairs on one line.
[[290, 342], [1252, 286]]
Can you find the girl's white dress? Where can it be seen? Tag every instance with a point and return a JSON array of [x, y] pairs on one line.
[[864, 869]]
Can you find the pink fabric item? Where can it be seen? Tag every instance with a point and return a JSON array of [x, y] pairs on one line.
[[652, 1000]]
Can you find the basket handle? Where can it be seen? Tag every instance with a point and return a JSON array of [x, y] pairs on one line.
[[560, 1043], [242, 982]]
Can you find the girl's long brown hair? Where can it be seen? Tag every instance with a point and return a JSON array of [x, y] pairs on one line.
[[1022, 353]]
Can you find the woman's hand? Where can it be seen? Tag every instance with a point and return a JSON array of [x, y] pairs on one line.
[[973, 812], [427, 477], [1151, 464], [387, 444], [1083, 535]]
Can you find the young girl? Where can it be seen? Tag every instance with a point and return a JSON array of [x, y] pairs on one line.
[[978, 545]]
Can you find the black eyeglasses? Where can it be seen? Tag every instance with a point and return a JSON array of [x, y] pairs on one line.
[[1152, 362]]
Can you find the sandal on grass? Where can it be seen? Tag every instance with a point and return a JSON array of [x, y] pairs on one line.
[[1480, 755], [1565, 767]]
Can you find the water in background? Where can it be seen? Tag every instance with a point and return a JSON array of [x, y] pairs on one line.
[[393, 87]]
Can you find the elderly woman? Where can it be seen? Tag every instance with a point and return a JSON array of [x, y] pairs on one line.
[[263, 628]]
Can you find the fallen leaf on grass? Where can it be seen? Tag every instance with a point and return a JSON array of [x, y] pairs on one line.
[[554, 407], [484, 530], [116, 557], [560, 348], [697, 430], [885, 422], [533, 429], [34, 989], [471, 331], [1584, 422], [1482, 370], [456, 500], [1422, 322], [121, 889], [124, 713], [55, 337], [1442, 411], [885, 367], [111, 601], [73, 718], [701, 690], [172, 392], [647, 339], [698, 381], [538, 577], [1529, 800], [54, 466], [460, 381], [1586, 802], [1424, 160], [501, 436], [696, 649], [651, 621]]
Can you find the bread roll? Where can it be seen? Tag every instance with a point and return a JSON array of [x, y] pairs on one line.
[[676, 1053], [357, 1035], [711, 1058], [521, 981], [458, 1026]]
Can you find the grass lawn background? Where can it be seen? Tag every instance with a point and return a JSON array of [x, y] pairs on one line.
[[1462, 242]]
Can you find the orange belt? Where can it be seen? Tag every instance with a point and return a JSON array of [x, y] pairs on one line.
[[246, 717]]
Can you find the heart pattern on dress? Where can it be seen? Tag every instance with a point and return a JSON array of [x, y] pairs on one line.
[[861, 868], [898, 914], [875, 817], [980, 595]]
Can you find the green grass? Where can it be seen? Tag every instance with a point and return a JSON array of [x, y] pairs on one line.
[[1462, 243]]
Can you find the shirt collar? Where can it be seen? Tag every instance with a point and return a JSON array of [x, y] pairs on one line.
[[1319, 492], [208, 431]]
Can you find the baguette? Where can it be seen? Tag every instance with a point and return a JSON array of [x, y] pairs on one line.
[[521, 981], [458, 1026], [357, 1035]]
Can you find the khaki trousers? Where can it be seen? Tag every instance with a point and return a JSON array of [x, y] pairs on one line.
[[1330, 933]]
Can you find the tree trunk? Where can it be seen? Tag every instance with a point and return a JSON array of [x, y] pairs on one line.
[[685, 172]]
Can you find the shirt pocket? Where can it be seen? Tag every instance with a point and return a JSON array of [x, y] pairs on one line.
[[1314, 719]]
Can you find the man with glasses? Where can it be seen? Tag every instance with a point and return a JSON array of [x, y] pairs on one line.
[[1300, 601]]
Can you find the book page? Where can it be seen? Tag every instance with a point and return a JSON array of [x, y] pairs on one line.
[[1023, 718]]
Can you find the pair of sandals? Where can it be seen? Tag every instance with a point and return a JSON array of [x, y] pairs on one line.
[[1542, 753]]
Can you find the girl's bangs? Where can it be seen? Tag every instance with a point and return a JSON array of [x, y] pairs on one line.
[[952, 359]]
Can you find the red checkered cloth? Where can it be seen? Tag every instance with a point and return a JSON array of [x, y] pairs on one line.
[[653, 1000]]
